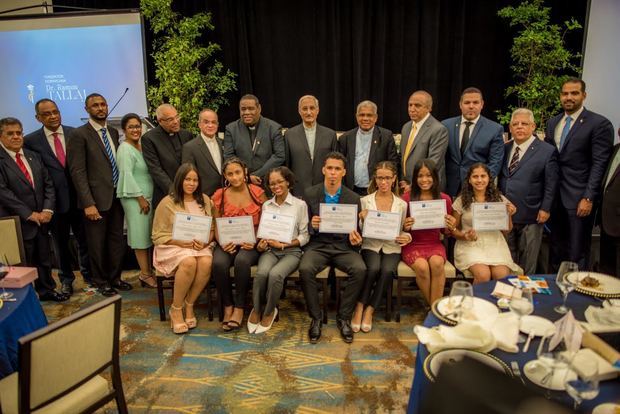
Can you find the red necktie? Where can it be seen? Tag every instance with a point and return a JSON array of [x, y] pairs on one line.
[[60, 152], [22, 166]]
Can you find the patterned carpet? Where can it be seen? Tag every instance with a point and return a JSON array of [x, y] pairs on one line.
[[209, 371]]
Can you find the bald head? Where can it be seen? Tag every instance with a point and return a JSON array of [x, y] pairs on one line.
[[168, 118]]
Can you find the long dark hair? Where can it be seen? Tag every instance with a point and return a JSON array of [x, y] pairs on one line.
[[416, 191], [491, 194], [385, 165], [176, 190], [284, 172], [226, 184]]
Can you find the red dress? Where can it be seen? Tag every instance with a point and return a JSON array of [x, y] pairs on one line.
[[253, 209], [425, 243]]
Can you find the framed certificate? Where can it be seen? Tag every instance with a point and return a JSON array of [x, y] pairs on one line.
[[188, 227], [489, 216], [236, 230], [275, 226], [382, 225], [338, 218], [429, 214]]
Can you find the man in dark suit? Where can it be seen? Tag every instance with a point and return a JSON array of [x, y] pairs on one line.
[[584, 140], [307, 144], [255, 139], [91, 155], [27, 191], [610, 217], [205, 152], [365, 146], [422, 137], [50, 143], [528, 179], [162, 149], [472, 138], [324, 249]]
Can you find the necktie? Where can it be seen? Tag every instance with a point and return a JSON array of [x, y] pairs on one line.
[[108, 151], [22, 166], [515, 161], [565, 131], [60, 152], [465, 139], [414, 128]]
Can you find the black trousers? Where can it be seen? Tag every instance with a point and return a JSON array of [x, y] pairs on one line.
[[570, 238], [381, 269], [106, 245], [242, 260], [37, 252], [610, 254], [61, 226]]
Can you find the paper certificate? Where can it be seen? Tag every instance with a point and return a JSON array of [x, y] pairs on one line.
[[236, 230], [489, 216], [188, 227], [278, 227], [382, 225], [429, 214], [338, 218]]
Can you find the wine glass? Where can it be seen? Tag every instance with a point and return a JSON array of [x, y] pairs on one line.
[[564, 284], [461, 299], [583, 386], [521, 303], [4, 270]]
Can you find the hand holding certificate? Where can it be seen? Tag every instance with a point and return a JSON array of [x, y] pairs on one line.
[[490, 216], [338, 218], [382, 225], [188, 227], [235, 230], [428, 214], [279, 227]]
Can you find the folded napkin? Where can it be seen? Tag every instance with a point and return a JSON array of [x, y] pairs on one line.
[[505, 329], [466, 335], [605, 370], [601, 320]]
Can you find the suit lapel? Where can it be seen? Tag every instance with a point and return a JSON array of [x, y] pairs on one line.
[[474, 133], [47, 149], [13, 166], [303, 141], [95, 136], [261, 134], [206, 153], [374, 143], [529, 153], [454, 145], [576, 127]]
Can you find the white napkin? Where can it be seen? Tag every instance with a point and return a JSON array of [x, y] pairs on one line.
[[465, 335], [505, 329], [605, 319]]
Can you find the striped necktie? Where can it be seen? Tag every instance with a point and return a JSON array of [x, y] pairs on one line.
[[515, 161], [108, 151]]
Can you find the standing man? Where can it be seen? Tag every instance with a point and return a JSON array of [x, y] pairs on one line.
[[528, 179], [584, 140], [255, 139], [610, 217], [50, 143], [162, 148], [91, 155], [324, 249], [472, 138], [27, 191], [422, 137], [307, 144], [363, 147], [206, 152]]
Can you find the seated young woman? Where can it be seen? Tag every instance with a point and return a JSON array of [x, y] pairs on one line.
[[484, 253], [237, 198], [426, 254], [189, 261]]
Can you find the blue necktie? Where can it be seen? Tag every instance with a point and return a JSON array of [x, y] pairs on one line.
[[565, 131], [108, 151]]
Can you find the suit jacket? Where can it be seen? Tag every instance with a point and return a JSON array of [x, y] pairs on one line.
[[610, 205], [197, 152], [65, 193], [268, 151], [161, 159], [314, 196], [90, 167], [431, 142], [308, 171], [486, 145], [382, 148], [18, 197], [532, 185], [583, 159]]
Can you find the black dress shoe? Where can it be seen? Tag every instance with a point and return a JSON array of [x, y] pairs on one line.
[[314, 333], [345, 330], [120, 285], [53, 296], [107, 290], [66, 289]]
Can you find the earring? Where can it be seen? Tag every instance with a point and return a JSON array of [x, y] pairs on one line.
[[226, 183]]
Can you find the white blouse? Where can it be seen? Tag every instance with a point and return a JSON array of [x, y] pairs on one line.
[[292, 206], [398, 206]]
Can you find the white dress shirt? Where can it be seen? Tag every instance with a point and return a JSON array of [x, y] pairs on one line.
[[50, 139], [522, 148], [98, 129], [398, 206], [471, 127], [13, 155], [311, 138], [560, 126], [214, 149], [292, 206]]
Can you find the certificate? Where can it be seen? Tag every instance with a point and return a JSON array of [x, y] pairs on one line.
[[429, 214], [188, 227], [278, 227], [236, 230], [489, 216], [382, 225], [338, 218]]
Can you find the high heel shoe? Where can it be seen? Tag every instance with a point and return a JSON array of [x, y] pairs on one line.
[[355, 327], [260, 328], [191, 322], [366, 327], [147, 281], [251, 326], [177, 328]]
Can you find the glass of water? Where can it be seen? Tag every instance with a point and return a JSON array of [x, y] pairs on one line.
[[564, 284], [461, 299], [521, 303], [585, 385]]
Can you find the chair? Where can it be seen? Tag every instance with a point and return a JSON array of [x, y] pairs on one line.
[[60, 365], [166, 282], [11, 242]]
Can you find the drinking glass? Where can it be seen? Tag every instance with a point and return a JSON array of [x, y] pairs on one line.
[[461, 299], [585, 385], [521, 303], [564, 284], [4, 270]]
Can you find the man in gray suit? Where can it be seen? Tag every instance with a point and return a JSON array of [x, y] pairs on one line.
[[422, 137], [307, 144], [255, 139], [205, 152]]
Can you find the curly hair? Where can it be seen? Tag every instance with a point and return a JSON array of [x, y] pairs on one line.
[[491, 194]]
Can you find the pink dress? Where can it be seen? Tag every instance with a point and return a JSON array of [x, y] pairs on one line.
[[425, 243]]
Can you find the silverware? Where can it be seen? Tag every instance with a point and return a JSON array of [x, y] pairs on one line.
[[526, 345], [540, 345], [547, 376], [516, 372]]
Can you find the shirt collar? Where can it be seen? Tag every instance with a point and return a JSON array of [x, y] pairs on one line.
[[422, 121], [575, 115], [206, 138], [311, 129], [12, 153], [473, 121], [525, 145], [366, 133], [288, 200], [96, 126], [48, 133]]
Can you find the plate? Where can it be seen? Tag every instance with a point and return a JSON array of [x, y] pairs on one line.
[[609, 286], [607, 408], [482, 309], [536, 370], [538, 325], [433, 362]]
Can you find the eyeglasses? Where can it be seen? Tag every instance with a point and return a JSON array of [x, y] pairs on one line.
[[134, 127], [385, 178], [274, 183], [170, 119], [48, 114]]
